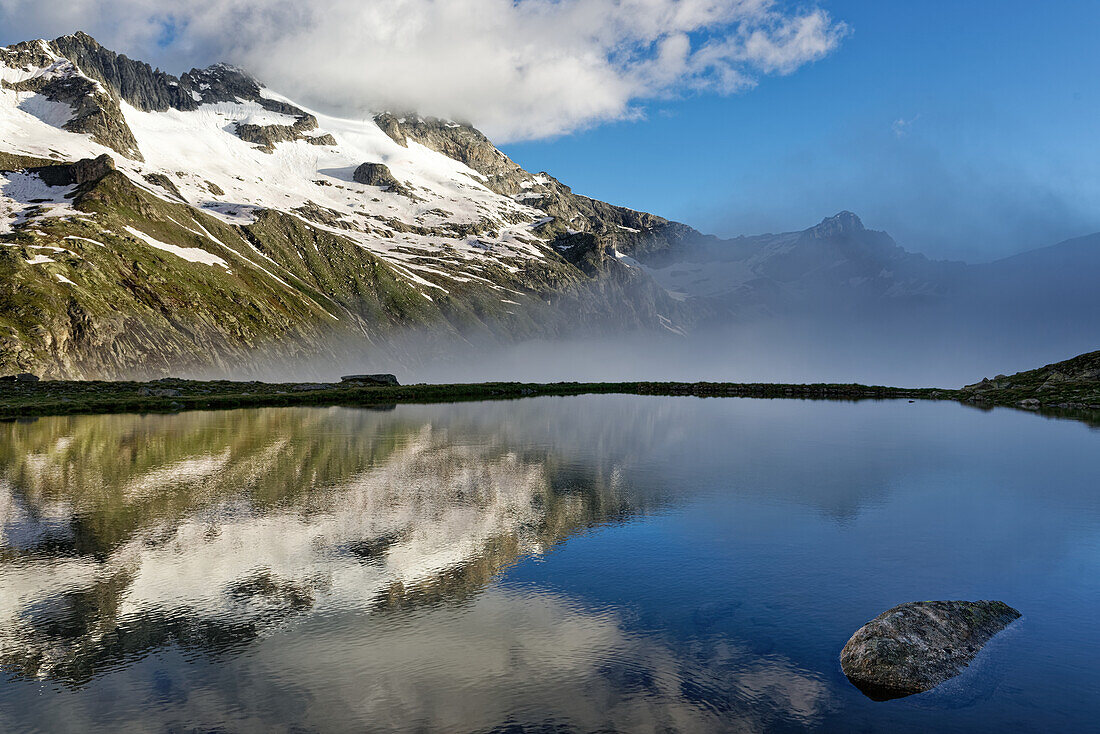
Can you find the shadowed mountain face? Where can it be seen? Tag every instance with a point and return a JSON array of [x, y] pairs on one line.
[[837, 263], [152, 224], [845, 268]]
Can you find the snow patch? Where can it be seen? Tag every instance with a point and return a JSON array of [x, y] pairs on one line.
[[54, 114], [190, 254]]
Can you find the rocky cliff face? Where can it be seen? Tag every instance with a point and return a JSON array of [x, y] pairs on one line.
[[568, 212], [152, 90]]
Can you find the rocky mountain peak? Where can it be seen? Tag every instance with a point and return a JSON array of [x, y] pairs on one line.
[[221, 82], [136, 82], [844, 223], [153, 90]]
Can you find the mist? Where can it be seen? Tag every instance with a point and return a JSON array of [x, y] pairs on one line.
[[938, 347]]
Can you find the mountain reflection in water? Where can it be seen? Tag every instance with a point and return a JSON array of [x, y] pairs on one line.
[[203, 533], [334, 569], [123, 534]]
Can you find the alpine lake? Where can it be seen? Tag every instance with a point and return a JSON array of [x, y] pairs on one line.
[[606, 563]]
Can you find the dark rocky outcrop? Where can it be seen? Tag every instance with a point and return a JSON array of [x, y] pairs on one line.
[[374, 174], [161, 180], [112, 77], [136, 82], [223, 82], [267, 136], [570, 211], [458, 141], [89, 170], [378, 174], [26, 55], [153, 90], [914, 647], [378, 379], [80, 173], [1073, 384]]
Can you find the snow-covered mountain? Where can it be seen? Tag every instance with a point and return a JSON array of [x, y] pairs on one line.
[[151, 224]]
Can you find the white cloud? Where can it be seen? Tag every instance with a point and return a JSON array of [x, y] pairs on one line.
[[517, 68]]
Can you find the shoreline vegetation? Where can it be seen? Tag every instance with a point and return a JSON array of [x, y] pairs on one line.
[[60, 397], [1063, 396]]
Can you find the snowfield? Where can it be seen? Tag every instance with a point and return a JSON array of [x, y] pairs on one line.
[[217, 172], [24, 196]]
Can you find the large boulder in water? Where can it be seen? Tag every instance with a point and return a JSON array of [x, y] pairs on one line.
[[914, 647]]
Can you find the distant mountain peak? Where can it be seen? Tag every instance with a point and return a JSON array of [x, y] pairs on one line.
[[841, 224]]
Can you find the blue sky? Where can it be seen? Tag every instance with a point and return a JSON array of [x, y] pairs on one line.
[[997, 149]]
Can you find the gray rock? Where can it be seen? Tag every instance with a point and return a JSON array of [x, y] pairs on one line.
[[134, 81], [1029, 404], [159, 179], [379, 379], [501, 174], [267, 136], [914, 647], [153, 90], [377, 174], [89, 170]]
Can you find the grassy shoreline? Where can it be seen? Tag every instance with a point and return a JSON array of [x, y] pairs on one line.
[[170, 395], [19, 399]]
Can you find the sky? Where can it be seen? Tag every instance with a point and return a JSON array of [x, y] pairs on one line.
[[965, 129]]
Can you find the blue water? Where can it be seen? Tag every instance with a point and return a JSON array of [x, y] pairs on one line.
[[610, 563]]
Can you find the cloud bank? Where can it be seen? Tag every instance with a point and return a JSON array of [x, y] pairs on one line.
[[520, 69]]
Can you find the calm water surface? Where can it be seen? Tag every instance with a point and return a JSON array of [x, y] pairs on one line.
[[613, 563]]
